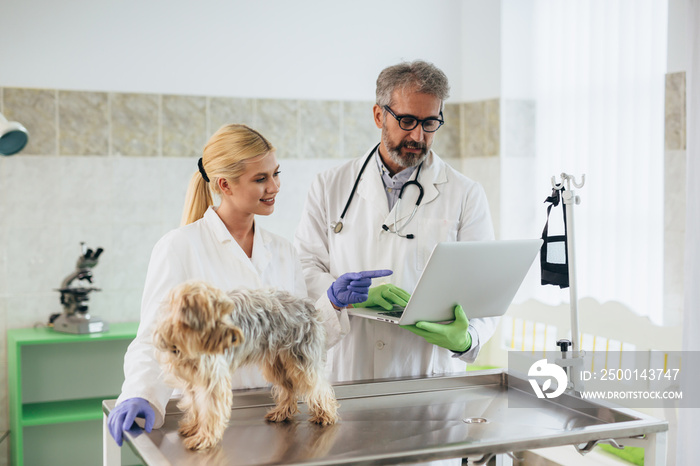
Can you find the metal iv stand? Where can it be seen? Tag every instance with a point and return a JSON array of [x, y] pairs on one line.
[[571, 364]]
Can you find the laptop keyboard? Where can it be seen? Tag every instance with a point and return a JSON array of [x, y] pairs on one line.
[[396, 314]]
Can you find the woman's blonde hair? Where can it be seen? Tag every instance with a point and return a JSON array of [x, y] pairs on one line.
[[224, 156]]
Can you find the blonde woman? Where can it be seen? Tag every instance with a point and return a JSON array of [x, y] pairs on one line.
[[223, 246]]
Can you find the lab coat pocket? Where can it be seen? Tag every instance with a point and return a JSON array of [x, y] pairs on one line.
[[432, 232]]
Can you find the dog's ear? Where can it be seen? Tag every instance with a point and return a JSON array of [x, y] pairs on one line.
[[193, 306], [189, 317], [159, 340], [164, 341], [225, 336], [200, 305]]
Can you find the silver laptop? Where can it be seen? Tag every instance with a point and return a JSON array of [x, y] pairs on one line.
[[482, 276]]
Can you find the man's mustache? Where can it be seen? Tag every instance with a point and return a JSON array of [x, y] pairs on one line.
[[413, 145]]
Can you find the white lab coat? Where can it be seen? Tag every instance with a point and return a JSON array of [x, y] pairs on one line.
[[453, 208], [205, 250]]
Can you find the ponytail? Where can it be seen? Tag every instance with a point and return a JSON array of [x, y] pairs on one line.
[[197, 200]]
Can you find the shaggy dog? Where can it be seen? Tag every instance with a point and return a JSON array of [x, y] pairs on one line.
[[204, 334]]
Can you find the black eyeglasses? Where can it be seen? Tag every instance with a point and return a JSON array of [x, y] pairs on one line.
[[409, 122]]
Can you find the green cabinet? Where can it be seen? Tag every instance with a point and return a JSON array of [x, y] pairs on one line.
[[56, 384]]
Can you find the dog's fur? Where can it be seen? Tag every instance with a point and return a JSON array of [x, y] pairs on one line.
[[204, 334]]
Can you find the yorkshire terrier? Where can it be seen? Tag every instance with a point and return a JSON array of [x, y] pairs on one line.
[[204, 334]]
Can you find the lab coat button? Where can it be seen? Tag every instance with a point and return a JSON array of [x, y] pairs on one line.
[[380, 344]]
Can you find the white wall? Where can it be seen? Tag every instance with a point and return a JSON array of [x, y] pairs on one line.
[[480, 53], [517, 49], [677, 57], [307, 49]]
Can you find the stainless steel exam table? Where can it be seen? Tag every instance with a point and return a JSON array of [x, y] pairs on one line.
[[405, 420]]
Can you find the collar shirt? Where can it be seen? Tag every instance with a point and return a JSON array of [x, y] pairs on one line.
[[392, 184]]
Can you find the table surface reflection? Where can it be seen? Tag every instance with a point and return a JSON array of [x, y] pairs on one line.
[[400, 420]]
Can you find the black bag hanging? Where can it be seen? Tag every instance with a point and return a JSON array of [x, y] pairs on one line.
[[554, 258]]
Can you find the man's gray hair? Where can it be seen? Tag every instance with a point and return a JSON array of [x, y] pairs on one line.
[[418, 75]]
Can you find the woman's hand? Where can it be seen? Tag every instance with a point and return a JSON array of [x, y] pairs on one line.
[[122, 417]]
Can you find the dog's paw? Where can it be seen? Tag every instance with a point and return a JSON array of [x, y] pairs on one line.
[[187, 430], [324, 418], [200, 442], [279, 414]]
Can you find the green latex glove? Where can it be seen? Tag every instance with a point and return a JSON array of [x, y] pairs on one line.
[[453, 336], [385, 296]]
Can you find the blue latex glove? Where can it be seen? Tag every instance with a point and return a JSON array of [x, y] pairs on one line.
[[353, 287], [122, 417], [453, 336]]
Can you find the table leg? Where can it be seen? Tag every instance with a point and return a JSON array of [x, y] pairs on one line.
[[504, 459], [655, 451], [111, 452], [655, 446]]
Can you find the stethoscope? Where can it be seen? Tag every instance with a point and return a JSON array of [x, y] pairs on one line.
[[338, 226]]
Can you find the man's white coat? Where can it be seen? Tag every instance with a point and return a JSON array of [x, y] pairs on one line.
[[453, 208]]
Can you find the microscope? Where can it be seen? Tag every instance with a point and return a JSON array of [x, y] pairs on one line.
[[75, 317]]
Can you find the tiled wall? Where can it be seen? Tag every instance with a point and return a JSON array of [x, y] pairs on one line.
[[480, 144], [148, 125], [71, 123], [674, 197]]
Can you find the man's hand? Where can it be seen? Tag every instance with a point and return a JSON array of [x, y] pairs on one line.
[[353, 287], [453, 336], [385, 296]]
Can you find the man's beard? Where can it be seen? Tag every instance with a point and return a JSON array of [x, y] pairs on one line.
[[407, 159]]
